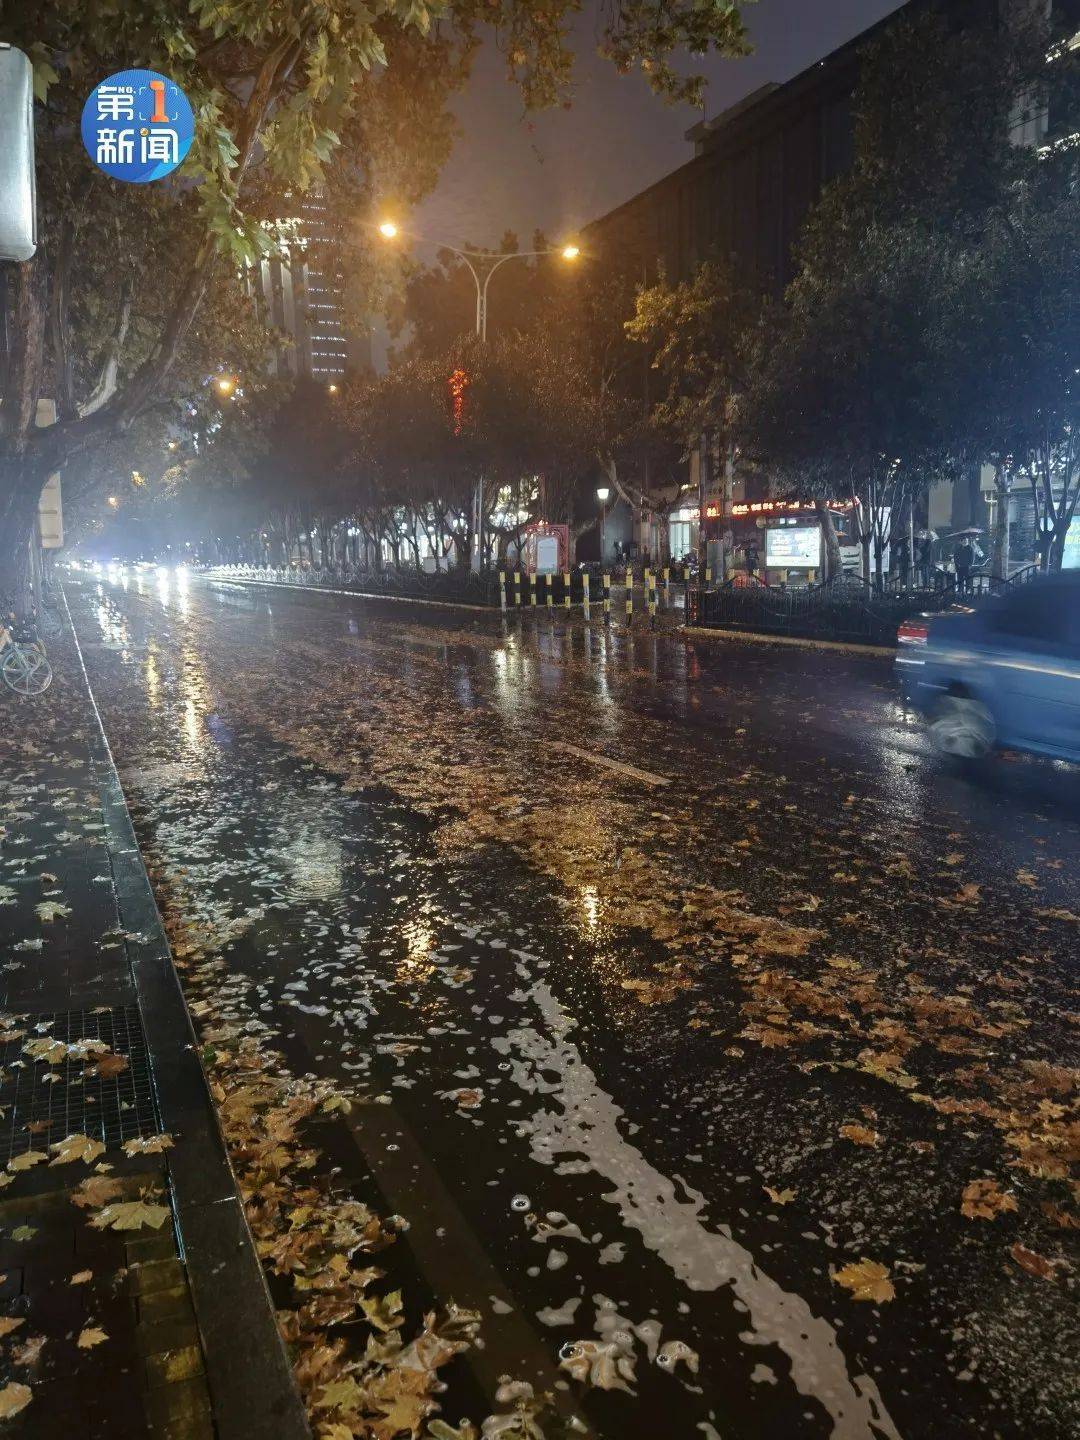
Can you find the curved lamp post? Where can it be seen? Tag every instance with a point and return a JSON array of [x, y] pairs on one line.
[[482, 263]]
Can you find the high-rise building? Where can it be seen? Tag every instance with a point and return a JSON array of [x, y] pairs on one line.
[[301, 292]]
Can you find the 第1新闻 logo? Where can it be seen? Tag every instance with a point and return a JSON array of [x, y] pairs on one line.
[[137, 126]]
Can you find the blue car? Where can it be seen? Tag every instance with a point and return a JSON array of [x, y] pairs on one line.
[[1005, 674]]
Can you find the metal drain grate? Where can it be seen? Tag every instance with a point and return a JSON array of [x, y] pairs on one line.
[[36, 1112]]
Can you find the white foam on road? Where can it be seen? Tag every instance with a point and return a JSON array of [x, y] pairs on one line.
[[582, 1120]]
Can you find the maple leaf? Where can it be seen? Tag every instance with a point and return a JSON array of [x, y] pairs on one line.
[[384, 1314], [340, 1395], [47, 1048], [13, 1398], [8, 1323], [26, 1160], [860, 1135], [866, 1279], [81, 1277], [51, 909], [982, 1200], [108, 1066], [779, 1197], [130, 1215], [29, 1352], [90, 1337], [76, 1147], [151, 1145], [95, 1191]]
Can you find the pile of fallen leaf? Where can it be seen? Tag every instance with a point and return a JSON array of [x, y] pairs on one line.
[[358, 1373], [110, 1202]]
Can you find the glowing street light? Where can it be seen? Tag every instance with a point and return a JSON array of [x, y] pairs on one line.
[[113, 501], [388, 230], [333, 389], [602, 494], [571, 252], [225, 385]]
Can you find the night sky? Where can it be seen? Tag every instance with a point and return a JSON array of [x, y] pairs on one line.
[[560, 169]]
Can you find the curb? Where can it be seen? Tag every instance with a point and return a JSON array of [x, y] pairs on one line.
[[252, 1391], [703, 632], [356, 594]]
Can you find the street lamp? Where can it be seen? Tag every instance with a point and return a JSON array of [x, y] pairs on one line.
[[225, 385], [113, 501], [602, 494], [487, 262], [333, 389]]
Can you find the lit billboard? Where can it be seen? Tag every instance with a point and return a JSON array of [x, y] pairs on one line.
[[793, 547]]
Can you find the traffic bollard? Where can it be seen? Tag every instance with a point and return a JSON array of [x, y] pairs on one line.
[[517, 589], [607, 599], [585, 595], [566, 590], [550, 597], [535, 580], [667, 585], [629, 597], [502, 591]]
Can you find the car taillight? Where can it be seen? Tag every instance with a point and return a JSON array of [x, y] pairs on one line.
[[912, 632]]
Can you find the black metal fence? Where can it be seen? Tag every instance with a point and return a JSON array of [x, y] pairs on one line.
[[846, 609]]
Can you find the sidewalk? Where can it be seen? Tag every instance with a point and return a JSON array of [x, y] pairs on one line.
[[131, 1300]]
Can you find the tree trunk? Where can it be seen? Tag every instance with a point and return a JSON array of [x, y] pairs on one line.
[[834, 563], [1000, 554]]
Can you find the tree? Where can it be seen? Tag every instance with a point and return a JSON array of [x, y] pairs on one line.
[[931, 325], [286, 96]]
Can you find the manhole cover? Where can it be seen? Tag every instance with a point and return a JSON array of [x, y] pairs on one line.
[[116, 1105]]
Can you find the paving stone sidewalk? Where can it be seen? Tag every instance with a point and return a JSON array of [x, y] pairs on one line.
[[165, 1329]]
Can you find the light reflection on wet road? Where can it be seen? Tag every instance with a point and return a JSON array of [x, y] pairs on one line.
[[631, 930]]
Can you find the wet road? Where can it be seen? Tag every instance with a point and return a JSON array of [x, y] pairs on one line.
[[692, 981]]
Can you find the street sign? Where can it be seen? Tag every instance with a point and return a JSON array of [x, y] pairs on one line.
[[51, 515], [18, 200]]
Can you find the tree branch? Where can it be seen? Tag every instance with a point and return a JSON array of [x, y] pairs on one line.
[[106, 385]]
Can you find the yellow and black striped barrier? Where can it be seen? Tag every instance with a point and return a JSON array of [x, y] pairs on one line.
[[585, 595], [667, 585], [629, 585], [566, 590], [502, 590], [517, 589], [550, 594], [606, 579], [650, 595]]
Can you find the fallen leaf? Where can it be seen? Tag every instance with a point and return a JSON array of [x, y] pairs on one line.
[[23, 1232], [8, 1323], [13, 1398], [108, 1066], [1034, 1263], [29, 1352], [982, 1200], [779, 1197], [151, 1145], [130, 1215], [90, 1337], [860, 1135], [50, 909], [81, 1277], [95, 1191], [76, 1147], [26, 1160], [1025, 877], [867, 1280]]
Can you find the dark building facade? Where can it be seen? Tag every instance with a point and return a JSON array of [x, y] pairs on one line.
[[758, 169]]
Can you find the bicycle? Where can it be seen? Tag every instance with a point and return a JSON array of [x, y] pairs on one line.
[[24, 666]]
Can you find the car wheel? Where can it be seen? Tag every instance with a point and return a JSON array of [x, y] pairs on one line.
[[963, 727]]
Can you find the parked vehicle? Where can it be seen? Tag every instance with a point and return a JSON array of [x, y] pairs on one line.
[[1005, 674]]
